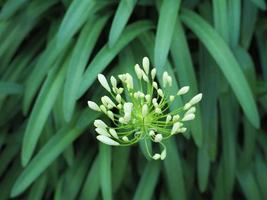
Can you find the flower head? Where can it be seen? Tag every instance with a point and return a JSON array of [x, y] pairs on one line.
[[139, 113]]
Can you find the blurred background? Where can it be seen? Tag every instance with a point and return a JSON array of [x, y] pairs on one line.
[[50, 54]]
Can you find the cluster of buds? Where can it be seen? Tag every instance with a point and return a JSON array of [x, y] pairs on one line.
[[141, 114]]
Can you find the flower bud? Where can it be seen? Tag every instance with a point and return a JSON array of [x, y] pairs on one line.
[[160, 92], [183, 90], [163, 154], [110, 115], [93, 106], [113, 133], [100, 124], [146, 64], [103, 81], [156, 156], [102, 131], [155, 85], [158, 138], [113, 81], [144, 110], [138, 71], [188, 117], [196, 99], [106, 140], [153, 73]]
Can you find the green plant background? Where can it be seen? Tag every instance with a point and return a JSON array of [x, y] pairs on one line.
[[50, 54]]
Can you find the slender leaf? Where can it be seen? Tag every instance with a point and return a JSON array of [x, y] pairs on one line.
[[226, 61]]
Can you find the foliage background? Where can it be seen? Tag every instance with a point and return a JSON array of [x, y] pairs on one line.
[[50, 54]]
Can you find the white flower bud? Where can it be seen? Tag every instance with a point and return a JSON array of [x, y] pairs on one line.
[[155, 103], [110, 115], [113, 133], [118, 98], [106, 140], [196, 99], [188, 117], [121, 120], [168, 118], [176, 127], [187, 106], [151, 133], [100, 124], [176, 118], [182, 130], [103, 81], [122, 77], [129, 81], [146, 64], [153, 73], [125, 138], [148, 98], [102, 131], [183, 90], [155, 85], [138, 71], [165, 78], [158, 138], [172, 98], [144, 110], [127, 107], [145, 78], [119, 90], [156, 156], [158, 110], [93, 106], [109, 101], [136, 95], [127, 117], [119, 106], [113, 81], [103, 108], [163, 154], [141, 94], [160, 92], [191, 110]]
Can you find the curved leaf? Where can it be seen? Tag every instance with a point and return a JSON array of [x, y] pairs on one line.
[[226, 61]]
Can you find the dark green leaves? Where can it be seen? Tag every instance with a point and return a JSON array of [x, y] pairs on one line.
[[226, 61]]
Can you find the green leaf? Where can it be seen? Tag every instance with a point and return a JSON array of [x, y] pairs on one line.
[[106, 54], [260, 3], [52, 149], [47, 59], [248, 21], [234, 20], [10, 8], [147, 184], [174, 171], [166, 23], [220, 18], [76, 15], [248, 184], [41, 110], [38, 188], [228, 113], [105, 171], [92, 183], [120, 20], [185, 71], [82, 51], [226, 61], [8, 88]]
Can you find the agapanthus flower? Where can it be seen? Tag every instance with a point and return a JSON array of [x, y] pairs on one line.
[[141, 112]]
